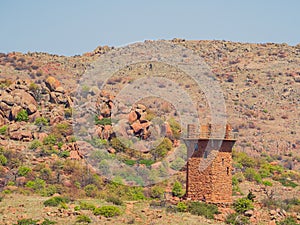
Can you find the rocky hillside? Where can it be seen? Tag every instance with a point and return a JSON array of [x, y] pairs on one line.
[[42, 146]]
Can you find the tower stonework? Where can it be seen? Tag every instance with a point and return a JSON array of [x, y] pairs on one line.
[[209, 168]]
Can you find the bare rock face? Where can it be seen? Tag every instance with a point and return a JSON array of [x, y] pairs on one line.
[[2, 121], [24, 96], [132, 117], [52, 83], [31, 109]]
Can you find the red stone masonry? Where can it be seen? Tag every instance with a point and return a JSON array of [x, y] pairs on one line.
[[209, 168]]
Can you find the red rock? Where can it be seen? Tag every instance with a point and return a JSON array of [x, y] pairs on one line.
[[52, 83], [132, 117], [272, 222], [20, 181], [136, 126]]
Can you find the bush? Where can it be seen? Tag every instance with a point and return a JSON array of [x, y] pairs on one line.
[[147, 162], [49, 190], [177, 164], [23, 171], [50, 140], [22, 116], [107, 211], [129, 162], [175, 127], [287, 182], [162, 149], [35, 144], [26, 222], [56, 201], [237, 219], [267, 183], [90, 190], [243, 159], [117, 145], [83, 219], [157, 192], [64, 154], [86, 206], [202, 209], [103, 121], [3, 160], [288, 221], [37, 184], [252, 175], [3, 130], [242, 205], [114, 200], [181, 207], [41, 121], [177, 189], [48, 222]]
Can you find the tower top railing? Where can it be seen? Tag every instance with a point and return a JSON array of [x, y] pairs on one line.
[[208, 131]]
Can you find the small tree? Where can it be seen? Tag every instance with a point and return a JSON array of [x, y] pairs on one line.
[[22, 116], [177, 189], [242, 205]]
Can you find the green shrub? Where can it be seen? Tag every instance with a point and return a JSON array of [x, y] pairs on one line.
[[177, 164], [242, 205], [50, 140], [83, 219], [48, 222], [175, 127], [114, 200], [37, 184], [181, 207], [129, 162], [147, 162], [107, 211], [99, 143], [267, 183], [23, 171], [243, 159], [3, 130], [26, 222], [117, 145], [41, 121], [103, 121], [86, 206], [288, 221], [35, 144], [237, 219], [134, 193], [56, 201], [91, 190], [252, 175], [49, 190], [287, 183], [64, 154], [3, 160], [22, 116], [157, 192], [162, 149], [177, 189], [202, 209]]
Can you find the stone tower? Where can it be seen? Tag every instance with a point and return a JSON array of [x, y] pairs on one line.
[[209, 167]]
